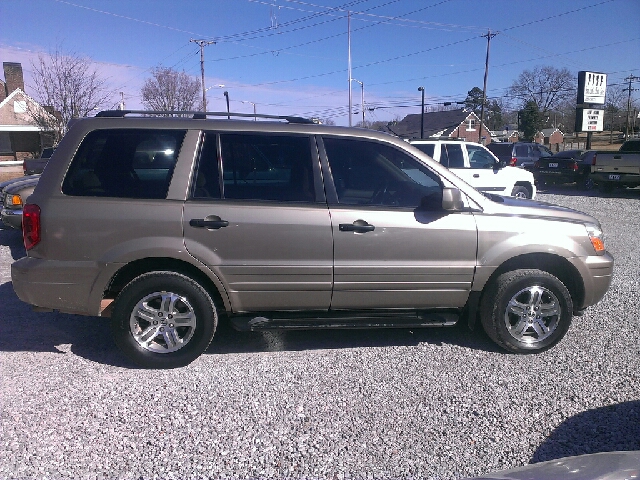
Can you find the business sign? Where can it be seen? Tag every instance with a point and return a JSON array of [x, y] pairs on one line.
[[589, 120], [592, 87]]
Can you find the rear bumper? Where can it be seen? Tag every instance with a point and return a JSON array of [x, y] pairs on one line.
[[556, 177], [616, 178], [37, 282]]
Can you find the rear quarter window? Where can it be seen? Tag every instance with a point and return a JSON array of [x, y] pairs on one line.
[[427, 148], [125, 163]]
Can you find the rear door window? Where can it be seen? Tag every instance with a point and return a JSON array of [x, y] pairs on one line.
[[522, 151], [452, 155], [127, 163], [256, 167]]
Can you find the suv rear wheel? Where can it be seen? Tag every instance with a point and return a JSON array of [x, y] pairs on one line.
[[163, 320], [526, 311]]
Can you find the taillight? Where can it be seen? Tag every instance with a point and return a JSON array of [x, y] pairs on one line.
[[575, 167], [593, 161], [513, 162], [24, 167], [30, 225], [537, 164]]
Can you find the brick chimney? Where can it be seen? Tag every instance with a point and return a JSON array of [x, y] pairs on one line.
[[3, 91], [13, 76]]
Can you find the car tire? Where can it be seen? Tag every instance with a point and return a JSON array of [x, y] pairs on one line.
[[607, 187], [163, 320], [585, 183], [520, 192], [526, 311]]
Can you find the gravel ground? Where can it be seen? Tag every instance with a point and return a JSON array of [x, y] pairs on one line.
[[430, 403]]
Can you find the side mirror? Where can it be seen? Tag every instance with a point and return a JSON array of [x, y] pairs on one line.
[[452, 200]]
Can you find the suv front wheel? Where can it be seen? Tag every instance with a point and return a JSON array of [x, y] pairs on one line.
[[526, 311], [520, 192], [163, 320]]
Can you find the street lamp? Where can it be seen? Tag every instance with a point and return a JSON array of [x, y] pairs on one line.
[[254, 109], [421, 89], [362, 89], [226, 94], [209, 88]]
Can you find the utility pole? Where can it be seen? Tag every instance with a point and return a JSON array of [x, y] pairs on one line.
[[202, 44], [361, 98], [349, 61], [630, 79], [421, 89], [488, 36]]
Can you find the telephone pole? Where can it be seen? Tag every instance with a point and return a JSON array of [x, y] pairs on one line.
[[202, 44], [349, 61], [488, 36], [630, 89]]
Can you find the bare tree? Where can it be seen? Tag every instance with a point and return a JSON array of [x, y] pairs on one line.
[[170, 90], [547, 87], [615, 109], [68, 86]]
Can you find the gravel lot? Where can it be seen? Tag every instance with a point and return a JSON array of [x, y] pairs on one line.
[[430, 403]]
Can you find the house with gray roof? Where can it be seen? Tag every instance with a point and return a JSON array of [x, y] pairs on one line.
[[21, 136], [459, 123]]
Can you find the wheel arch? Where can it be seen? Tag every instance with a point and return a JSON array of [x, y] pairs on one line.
[[152, 264], [556, 265]]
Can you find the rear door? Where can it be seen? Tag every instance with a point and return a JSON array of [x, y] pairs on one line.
[[258, 218], [394, 246]]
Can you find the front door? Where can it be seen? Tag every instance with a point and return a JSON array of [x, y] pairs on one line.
[[484, 172], [394, 246]]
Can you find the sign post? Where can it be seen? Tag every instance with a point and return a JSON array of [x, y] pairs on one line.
[[592, 89]]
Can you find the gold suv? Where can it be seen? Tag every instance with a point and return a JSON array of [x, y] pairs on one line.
[[163, 223]]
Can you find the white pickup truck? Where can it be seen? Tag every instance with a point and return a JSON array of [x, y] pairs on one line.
[[480, 168]]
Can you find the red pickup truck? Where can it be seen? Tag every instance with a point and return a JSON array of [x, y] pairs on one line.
[[32, 166]]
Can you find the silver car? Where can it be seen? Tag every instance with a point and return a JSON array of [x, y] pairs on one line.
[[164, 224], [13, 194]]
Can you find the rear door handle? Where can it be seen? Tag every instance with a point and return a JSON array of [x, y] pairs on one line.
[[476, 175], [212, 222], [359, 226]]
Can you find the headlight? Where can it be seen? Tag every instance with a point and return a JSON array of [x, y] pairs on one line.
[[596, 236], [13, 201]]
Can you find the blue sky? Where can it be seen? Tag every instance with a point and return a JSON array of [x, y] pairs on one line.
[[291, 56]]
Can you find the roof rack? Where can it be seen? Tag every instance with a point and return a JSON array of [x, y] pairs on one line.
[[200, 115]]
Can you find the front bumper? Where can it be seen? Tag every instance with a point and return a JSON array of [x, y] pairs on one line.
[[597, 272], [12, 217]]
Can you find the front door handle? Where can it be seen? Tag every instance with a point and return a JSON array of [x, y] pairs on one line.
[[476, 175], [212, 222], [359, 226]]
